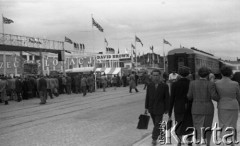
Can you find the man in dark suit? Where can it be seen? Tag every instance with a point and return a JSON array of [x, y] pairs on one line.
[[182, 106], [156, 103], [42, 89]]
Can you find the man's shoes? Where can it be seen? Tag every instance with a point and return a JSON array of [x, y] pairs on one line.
[[41, 103], [154, 142], [6, 102]]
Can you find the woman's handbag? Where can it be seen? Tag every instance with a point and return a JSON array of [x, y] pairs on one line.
[[143, 121]]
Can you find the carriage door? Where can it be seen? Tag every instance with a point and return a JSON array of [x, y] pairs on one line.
[[181, 62]]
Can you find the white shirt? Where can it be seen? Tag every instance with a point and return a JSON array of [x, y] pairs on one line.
[[173, 76]]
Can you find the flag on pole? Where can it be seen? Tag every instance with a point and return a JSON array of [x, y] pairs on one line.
[[133, 46], [68, 40], [118, 51], [138, 40], [105, 40], [134, 52], [166, 42], [81, 47], [126, 50], [7, 21], [151, 48], [94, 23], [148, 60], [153, 57]]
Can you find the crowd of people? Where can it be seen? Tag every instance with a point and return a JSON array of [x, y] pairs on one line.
[[192, 101], [33, 86]]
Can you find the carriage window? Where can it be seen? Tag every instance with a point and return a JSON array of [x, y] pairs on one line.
[[181, 61]]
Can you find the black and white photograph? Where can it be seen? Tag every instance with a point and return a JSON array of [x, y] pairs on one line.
[[119, 72]]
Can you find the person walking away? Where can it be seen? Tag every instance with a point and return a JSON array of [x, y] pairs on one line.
[[136, 79], [90, 81], [124, 79], [42, 89], [49, 91], [60, 86], [64, 84], [156, 102], [228, 105], [69, 84], [202, 92], [132, 82], [104, 82], [3, 90], [114, 82], [146, 80], [18, 89], [12, 88], [76, 83], [182, 106], [84, 85], [118, 80]]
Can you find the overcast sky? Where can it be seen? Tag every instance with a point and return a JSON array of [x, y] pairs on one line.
[[209, 25]]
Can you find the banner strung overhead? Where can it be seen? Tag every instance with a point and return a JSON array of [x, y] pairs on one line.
[[112, 56]]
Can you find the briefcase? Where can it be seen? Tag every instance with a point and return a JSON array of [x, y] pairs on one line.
[[143, 121]]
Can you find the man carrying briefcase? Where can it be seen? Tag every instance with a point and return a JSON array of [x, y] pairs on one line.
[[156, 102]]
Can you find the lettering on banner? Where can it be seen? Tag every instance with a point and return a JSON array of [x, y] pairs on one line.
[[8, 65], [46, 62], [15, 64], [112, 56], [80, 61], [1, 65], [55, 62]]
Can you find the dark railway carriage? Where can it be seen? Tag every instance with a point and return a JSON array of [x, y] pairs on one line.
[[192, 59]]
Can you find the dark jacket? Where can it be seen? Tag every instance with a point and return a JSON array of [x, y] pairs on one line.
[[157, 100], [178, 98], [42, 84], [19, 85]]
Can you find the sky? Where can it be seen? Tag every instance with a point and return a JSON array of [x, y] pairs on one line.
[[209, 25]]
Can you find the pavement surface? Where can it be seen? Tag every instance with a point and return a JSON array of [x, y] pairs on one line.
[[99, 119], [147, 141]]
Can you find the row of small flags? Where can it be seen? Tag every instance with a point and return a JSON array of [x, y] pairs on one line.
[[75, 45]]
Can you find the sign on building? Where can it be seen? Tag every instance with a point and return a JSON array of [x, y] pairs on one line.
[[101, 57], [30, 68]]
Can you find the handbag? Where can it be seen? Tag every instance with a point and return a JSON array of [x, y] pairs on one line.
[[143, 121]]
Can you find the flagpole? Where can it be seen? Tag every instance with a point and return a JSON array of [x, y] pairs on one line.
[[3, 28], [135, 51], [131, 53], [153, 58], [2, 25], [92, 35], [164, 65]]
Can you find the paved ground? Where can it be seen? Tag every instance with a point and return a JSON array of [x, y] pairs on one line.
[[99, 119], [147, 140]]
